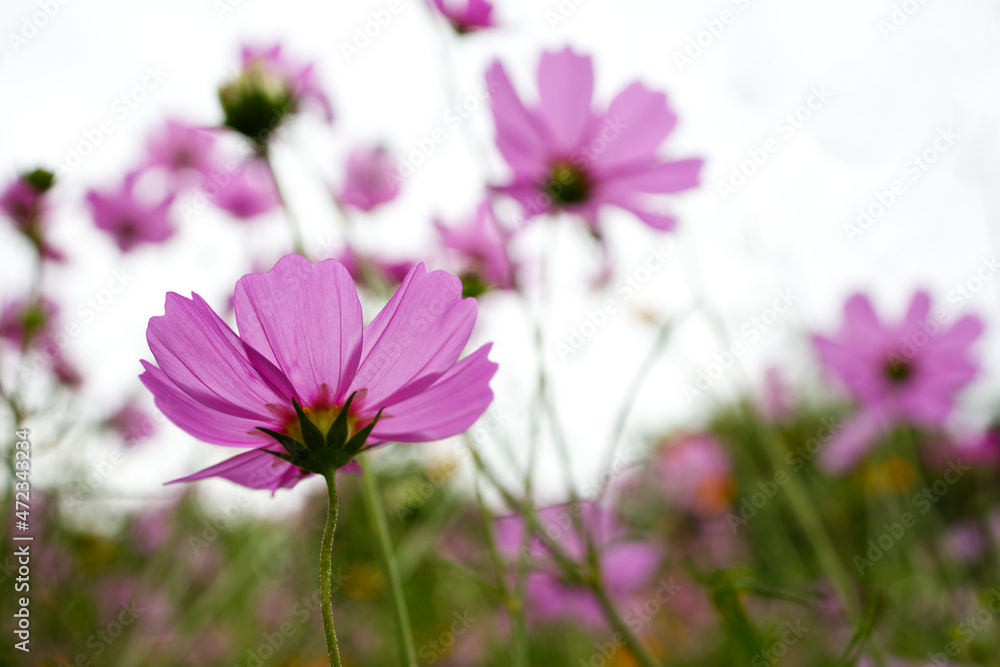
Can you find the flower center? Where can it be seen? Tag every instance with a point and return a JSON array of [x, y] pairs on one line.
[[897, 371], [567, 184], [322, 416]]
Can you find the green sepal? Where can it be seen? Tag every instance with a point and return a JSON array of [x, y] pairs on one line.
[[283, 457], [295, 448], [312, 436], [355, 444], [337, 434], [319, 454]]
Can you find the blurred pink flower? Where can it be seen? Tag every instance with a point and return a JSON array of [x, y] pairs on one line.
[[129, 220], [151, 529], [24, 201], [567, 156], [131, 422], [302, 340], [481, 245], [466, 16], [249, 192], [24, 320], [779, 401], [370, 179], [910, 371], [388, 272], [181, 149], [299, 79], [627, 566], [695, 475], [978, 449]]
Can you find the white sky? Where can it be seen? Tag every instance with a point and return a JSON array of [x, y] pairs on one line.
[[890, 94]]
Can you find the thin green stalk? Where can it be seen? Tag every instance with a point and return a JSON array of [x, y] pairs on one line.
[[570, 568], [513, 601], [805, 511], [619, 624], [326, 570], [293, 224], [376, 514], [631, 393]]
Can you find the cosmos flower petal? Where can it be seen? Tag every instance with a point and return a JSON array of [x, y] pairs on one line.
[[204, 358], [860, 317], [853, 441], [519, 138], [196, 418], [255, 469], [565, 88], [306, 318], [920, 308], [449, 407], [962, 333], [660, 178], [638, 120], [631, 203], [417, 336]]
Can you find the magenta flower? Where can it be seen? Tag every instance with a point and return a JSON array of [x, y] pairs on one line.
[[24, 321], [298, 78], [627, 566], [269, 88], [467, 16], [980, 449], [25, 203], [567, 156], [130, 220], [131, 422], [910, 371], [694, 473], [248, 193], [181, 149], [481, 245], [371, 178], [304, 364]]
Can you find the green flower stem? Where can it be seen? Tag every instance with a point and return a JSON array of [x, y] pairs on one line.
[[805, 511], [326, 570], [293, 224], [638, 650], [376, 513], [513, 601], [570, 568]]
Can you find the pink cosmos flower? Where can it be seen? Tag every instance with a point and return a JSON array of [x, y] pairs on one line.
[[299, 79], [131, 422], [249, 192], [24, 201], [130, 220], [481, 245], [980, 449], [626, 566], [695, 476], [24, 321], [303, 363], [467, 16], [567, 156], [181, 149], [906, 371], [33, 325], [371, 178]]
